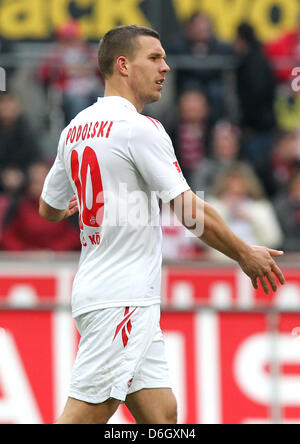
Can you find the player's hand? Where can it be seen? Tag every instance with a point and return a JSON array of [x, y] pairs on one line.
[[72, 208], [259, 264]]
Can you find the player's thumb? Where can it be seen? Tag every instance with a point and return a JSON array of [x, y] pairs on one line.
[[275, 253]]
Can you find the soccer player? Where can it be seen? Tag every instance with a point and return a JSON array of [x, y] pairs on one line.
[[111, 156]]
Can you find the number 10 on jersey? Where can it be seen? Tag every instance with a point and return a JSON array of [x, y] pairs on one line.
[[90, 216]]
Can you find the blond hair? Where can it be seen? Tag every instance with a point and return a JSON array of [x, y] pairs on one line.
[[255, 189]]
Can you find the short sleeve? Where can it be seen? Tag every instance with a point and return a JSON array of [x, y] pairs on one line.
[[57, 190], [152, 152]]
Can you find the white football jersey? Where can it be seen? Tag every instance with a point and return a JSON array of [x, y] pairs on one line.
[[118, 163]]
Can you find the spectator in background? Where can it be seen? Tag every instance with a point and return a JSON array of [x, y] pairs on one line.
[[71, 71], [284, 53], [190, 131], [24, 230], [224, 151], [239, 198], [287, 206], [256, 88], [19, 146], [199, 39], [4, 204], [7, 48], [11, 182], [287, 109], [285, 161]]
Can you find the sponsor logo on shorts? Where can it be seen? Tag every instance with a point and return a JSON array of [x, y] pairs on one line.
[[125, 326]]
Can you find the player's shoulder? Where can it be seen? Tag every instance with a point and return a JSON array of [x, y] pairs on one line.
[[63, 134], [82, 117], [150, 122], [147, 126], [87, 113]]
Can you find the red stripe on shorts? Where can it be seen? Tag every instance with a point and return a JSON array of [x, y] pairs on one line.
[[125, 323]]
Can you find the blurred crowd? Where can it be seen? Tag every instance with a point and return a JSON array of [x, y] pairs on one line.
[[247, 164]]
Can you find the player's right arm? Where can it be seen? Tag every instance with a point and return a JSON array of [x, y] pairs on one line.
[[57, 201], [51, 214], [257, 262]]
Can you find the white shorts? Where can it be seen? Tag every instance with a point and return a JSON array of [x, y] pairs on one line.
[[120, 352]]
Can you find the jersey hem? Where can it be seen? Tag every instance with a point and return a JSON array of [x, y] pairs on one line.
[[128, 303]]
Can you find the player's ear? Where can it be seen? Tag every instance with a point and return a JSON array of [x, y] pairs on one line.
[[122, 65]]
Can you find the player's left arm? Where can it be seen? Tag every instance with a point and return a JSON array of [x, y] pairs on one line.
[[54, 215], [256, 261]]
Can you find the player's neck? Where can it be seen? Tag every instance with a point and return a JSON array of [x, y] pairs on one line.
[[111, 90]]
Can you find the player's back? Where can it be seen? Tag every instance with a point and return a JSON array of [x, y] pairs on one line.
[[118, 162], [119, 217]]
